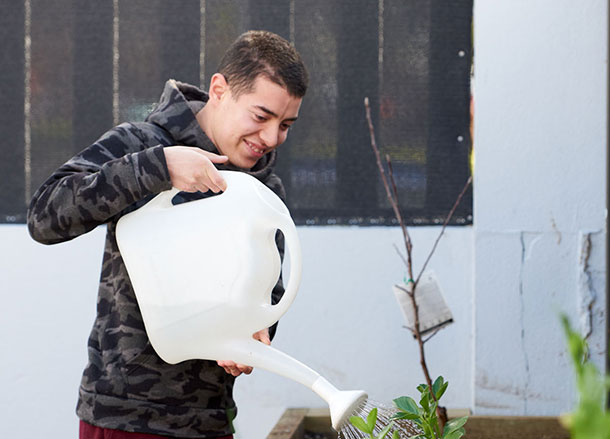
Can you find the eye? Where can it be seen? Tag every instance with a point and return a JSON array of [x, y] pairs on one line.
[[260, 118], [285, 127]]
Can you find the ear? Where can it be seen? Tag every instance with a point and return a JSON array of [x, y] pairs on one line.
[[218, 87]]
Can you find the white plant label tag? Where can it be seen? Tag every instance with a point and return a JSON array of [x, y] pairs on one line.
[[433, 310]]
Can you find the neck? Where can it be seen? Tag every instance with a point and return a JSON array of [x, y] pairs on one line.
[[203, 119]]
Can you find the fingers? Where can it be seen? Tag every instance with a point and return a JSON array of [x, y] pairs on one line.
[[214, 158], [192, 169], [213, 179], [234, 369], [262, 336]]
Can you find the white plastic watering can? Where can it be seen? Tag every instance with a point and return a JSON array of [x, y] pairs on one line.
[[203, 272]]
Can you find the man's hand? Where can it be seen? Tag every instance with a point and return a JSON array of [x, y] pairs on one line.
[[192, 169], [235, 369]]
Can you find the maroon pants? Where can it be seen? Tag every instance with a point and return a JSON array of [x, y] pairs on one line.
[[88, 431]]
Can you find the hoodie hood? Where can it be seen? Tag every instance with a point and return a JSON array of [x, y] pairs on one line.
[[175, 112]]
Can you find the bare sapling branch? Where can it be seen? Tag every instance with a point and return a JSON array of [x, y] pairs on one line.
[[393, 199], [401, 255], [411, 284], [438, 238]]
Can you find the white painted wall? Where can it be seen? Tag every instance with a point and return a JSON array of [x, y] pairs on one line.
[[540, 194], [345, 324], [48, 307], [540, 130]]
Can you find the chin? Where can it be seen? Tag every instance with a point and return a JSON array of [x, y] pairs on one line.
[[245, 165]]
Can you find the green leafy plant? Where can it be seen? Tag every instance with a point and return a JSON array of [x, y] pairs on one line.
[[368, 426], [590, 419], [424, 414]]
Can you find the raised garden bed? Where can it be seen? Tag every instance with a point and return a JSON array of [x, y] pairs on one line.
[[303, 423]]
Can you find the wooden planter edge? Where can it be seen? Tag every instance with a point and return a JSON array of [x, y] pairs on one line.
[[295, 421]]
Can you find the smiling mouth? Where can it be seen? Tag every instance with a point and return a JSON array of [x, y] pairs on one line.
[[255, 149]]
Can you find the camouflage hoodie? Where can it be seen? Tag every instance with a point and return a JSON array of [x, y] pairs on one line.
[[125, 384]]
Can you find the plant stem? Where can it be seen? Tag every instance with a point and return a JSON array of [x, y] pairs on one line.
[[442, 418], [393, 202], [417, 331], [438, 238], [393, 199]]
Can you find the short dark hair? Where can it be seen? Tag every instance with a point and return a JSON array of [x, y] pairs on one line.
[[264, 53]]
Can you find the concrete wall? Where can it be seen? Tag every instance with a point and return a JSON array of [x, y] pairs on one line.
[[537, 248], [540, 195], [344, 323]]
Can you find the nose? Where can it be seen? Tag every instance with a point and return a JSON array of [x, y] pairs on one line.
[[270, 135]]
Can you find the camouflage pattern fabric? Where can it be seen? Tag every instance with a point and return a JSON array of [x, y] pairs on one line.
[[125, 385]]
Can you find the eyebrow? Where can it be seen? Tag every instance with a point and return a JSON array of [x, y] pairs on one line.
[[271, 113]]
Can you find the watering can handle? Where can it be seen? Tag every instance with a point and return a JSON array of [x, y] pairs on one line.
[[163, 200], [294, 249]]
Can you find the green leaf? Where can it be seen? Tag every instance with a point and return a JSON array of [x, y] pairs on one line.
[[437, 384], [407, 404], [371, 420], [422, 388], [434, 424], [442, 390], [425, 401], [428, 431], [359, 423], [590, 419], [439, 387], [576, 344], [432, 410], [404, 415], [385, 430], [454, 424], [457, 434], [396, 435]]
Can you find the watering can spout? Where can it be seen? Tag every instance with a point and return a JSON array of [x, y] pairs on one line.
[[342, 404]]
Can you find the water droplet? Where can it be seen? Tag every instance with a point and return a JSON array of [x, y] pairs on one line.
[[406, 429]]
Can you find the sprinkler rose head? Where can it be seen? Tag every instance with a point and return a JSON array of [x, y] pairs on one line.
[[345, 404], [342, 403]]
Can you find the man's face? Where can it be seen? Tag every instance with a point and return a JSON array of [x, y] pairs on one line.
[[246, 128]]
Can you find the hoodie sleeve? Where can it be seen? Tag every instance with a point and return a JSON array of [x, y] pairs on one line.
[[121, 168]]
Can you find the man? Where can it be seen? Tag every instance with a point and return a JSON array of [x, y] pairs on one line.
[[126, 389]]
